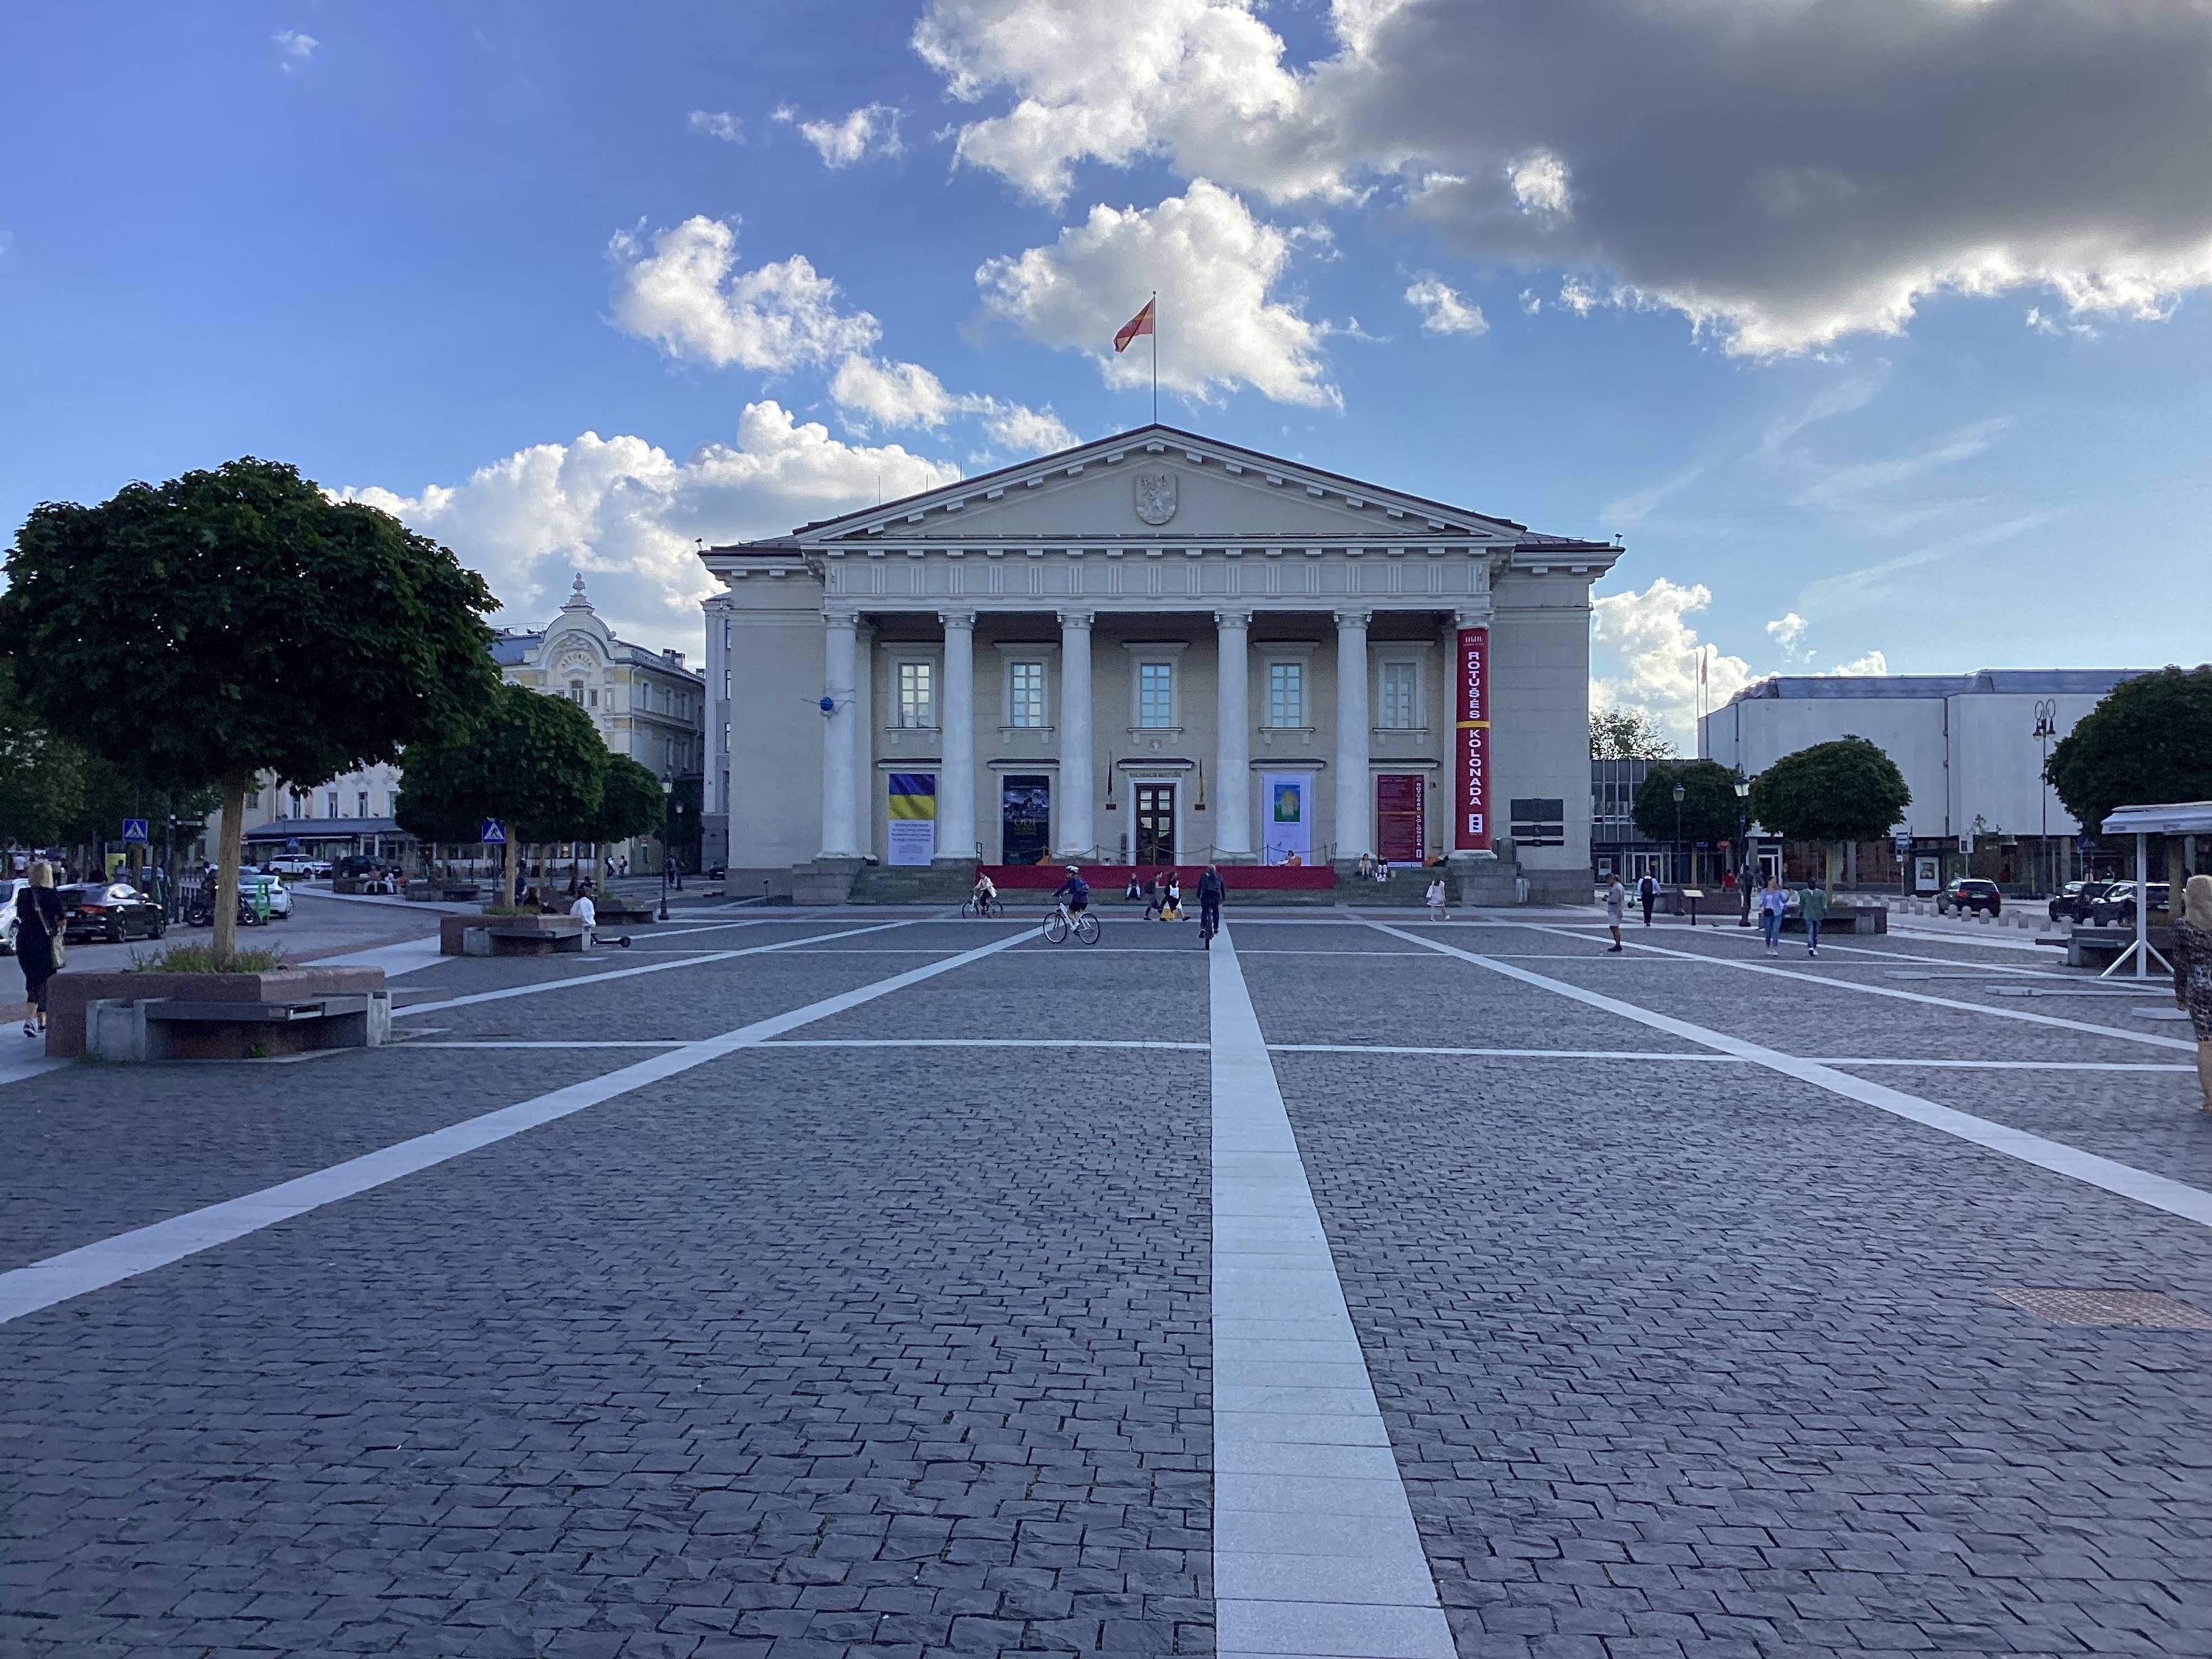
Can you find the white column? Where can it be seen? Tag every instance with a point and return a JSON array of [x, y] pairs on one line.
[[863, 738], [1232, 765], [840, 834], [956, 779], [1071, 806], [1354, 833]]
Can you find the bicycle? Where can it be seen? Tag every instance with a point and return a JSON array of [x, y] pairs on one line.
[[973, 907], [1209, 924], [1060, 923]]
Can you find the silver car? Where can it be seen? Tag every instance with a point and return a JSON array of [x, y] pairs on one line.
[[10, 885]]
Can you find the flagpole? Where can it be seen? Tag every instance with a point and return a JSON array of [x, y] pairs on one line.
[[1156, 356]]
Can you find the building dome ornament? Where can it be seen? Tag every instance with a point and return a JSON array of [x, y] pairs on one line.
[[1156, 496], [577, 599]]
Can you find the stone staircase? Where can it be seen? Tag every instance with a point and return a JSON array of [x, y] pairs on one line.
[[883, 884]]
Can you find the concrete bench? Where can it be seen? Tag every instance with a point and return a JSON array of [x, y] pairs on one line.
[[443, 892], [1843, 919], [135, 1030], [627, 913], [509, 936], [2100, 947]]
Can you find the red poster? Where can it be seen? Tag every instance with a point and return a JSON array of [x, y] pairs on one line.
[[1401, 817], [1471, 797]]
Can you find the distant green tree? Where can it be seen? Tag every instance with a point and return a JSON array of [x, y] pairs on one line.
[[1832, 792], [686, 823], [534, 761], [1709, 803], [2148, 742], [1627, 734], [113, 793], [41, 775], [238, 621], [630, 805]]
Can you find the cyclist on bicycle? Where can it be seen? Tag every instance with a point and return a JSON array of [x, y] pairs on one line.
[[1209, 905], [1074, 893], [986, 893]]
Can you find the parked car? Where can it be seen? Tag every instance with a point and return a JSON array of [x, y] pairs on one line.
[[8, 888], [2072, 902], [271, 892], [359, 864], [2118, 906], [109, 910], [1966, 895], [295, 864]]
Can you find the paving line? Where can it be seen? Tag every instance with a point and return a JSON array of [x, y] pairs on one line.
[[111, 1260], [408, 957], [704, 956], [984, 1042], [2021, 1015], [1494, 1054], [1315, 1549], [2157, 1191]]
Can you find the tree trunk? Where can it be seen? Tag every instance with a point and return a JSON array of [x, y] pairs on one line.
[[1828, 869], [506, 872], [230, 847]]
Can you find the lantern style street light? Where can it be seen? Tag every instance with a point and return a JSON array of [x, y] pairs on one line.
[[1745, 863], [1679, 793]]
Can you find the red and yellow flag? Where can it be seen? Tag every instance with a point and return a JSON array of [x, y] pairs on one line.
[[1140, 324]]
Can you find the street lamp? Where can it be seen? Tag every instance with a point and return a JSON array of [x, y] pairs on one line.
[[667, 859], [1679, 793], [2046, 727], [1743, 862]]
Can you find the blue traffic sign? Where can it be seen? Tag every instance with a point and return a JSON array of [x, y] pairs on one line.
[[493, 833], [134, 829]]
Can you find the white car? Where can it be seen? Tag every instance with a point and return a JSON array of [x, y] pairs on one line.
[[10, 885], [269, 891], [295, 863]]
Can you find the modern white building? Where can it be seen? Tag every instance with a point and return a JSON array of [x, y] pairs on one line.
[[1971, 746], [1154, 647]]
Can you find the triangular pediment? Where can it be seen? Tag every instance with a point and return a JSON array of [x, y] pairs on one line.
[[1157, 485]]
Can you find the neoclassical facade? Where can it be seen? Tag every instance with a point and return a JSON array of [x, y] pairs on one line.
[[1153, 647], [646, 704]]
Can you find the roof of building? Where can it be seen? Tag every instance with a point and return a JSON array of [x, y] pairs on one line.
[[1987, 682], [513, 646]]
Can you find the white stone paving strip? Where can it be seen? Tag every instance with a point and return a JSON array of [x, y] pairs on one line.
[[111, 1260], [2157, 1191], [540, 986], [1315, 1549]]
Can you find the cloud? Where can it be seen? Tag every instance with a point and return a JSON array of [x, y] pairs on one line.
[[293, 49], [1782, 174], [1872, 662], [1852, 589], [626, 513], [1658, 652], [717, 123], [1213, 264], [1858, 485], [685, 295], [1635, 508], [871, 129], [1785, 631], [1442, 310], [899, 394]]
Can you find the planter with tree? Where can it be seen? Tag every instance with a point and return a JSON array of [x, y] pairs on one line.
[[2148, 743], [1832, 792]]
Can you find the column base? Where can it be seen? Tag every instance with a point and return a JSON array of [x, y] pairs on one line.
[[827, 880]]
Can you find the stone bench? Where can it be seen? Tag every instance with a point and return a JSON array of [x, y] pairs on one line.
[[142, 1028], [443, 892], [509, 936], [1843, 919], [2100, 947], [627, 913], [70, 993]]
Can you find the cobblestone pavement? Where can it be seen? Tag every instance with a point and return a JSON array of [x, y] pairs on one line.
[[854, 1343]]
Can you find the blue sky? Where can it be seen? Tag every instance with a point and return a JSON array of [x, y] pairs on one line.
[[1924, 384]]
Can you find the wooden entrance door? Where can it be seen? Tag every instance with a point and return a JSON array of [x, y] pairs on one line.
[[1156, 823]]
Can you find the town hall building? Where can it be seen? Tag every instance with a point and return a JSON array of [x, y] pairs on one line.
[[1155, 649]]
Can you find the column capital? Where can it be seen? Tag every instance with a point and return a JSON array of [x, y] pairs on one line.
[[1352, 619], [1232, 619], [841, 615], [957, 619], [1475, 615], [1081, 619]]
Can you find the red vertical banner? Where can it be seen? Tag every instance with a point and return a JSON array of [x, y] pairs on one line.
[[1471, 739]]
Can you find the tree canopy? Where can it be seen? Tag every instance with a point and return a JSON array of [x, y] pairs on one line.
[[1843, 791], [2148, 742], [535, 761], [1710, 813], [42, 781], [631, 804], [1627, 734]]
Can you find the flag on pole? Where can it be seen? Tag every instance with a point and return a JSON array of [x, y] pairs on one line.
[[1140, 324]]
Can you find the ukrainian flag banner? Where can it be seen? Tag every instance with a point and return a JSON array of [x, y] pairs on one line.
[[912, 818]]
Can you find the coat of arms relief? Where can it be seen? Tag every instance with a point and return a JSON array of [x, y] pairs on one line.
[[1156, 496]]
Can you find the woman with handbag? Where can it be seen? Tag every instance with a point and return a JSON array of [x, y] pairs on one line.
[[39, 946]]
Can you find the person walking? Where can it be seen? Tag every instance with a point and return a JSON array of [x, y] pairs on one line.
[[39, 947], [1209, 905], [1434, 899], [1647, 895], [1773, 900], [1813, 905], [1156, 896], [1616, 903], [2192, 972]]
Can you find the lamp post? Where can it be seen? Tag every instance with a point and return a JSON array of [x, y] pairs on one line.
[[667, 792], [1745, 863], [2046, 727], [1679, 793]]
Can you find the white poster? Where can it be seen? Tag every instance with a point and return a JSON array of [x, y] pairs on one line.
[[1287, 818]]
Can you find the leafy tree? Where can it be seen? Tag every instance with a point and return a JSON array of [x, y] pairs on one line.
[[687, 824], [1709, 804], [238, 620], [1844, 791], [2149, 741], [41, 775], [631, 804], [113, 793], [534, 761], [1627, 734]]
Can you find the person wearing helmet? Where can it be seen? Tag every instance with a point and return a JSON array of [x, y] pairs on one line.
[[1075, 892]]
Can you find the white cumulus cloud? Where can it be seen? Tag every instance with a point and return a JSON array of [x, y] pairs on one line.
[[717, 123], [871, 129], [1657, 651], [1785, 631], [629, 515], [293, 49], [1215, 265], [1443, 311], [899, 394], [684, 293], [1539, 182]]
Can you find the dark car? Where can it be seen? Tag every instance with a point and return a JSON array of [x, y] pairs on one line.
[[1966, 894], [109, 910], [2072, 902], [358, 864], [2118, 905]]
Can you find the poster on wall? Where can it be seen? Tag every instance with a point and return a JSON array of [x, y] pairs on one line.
[[1287, 818], [1401, 817], [913, 817], [1471, 744]]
